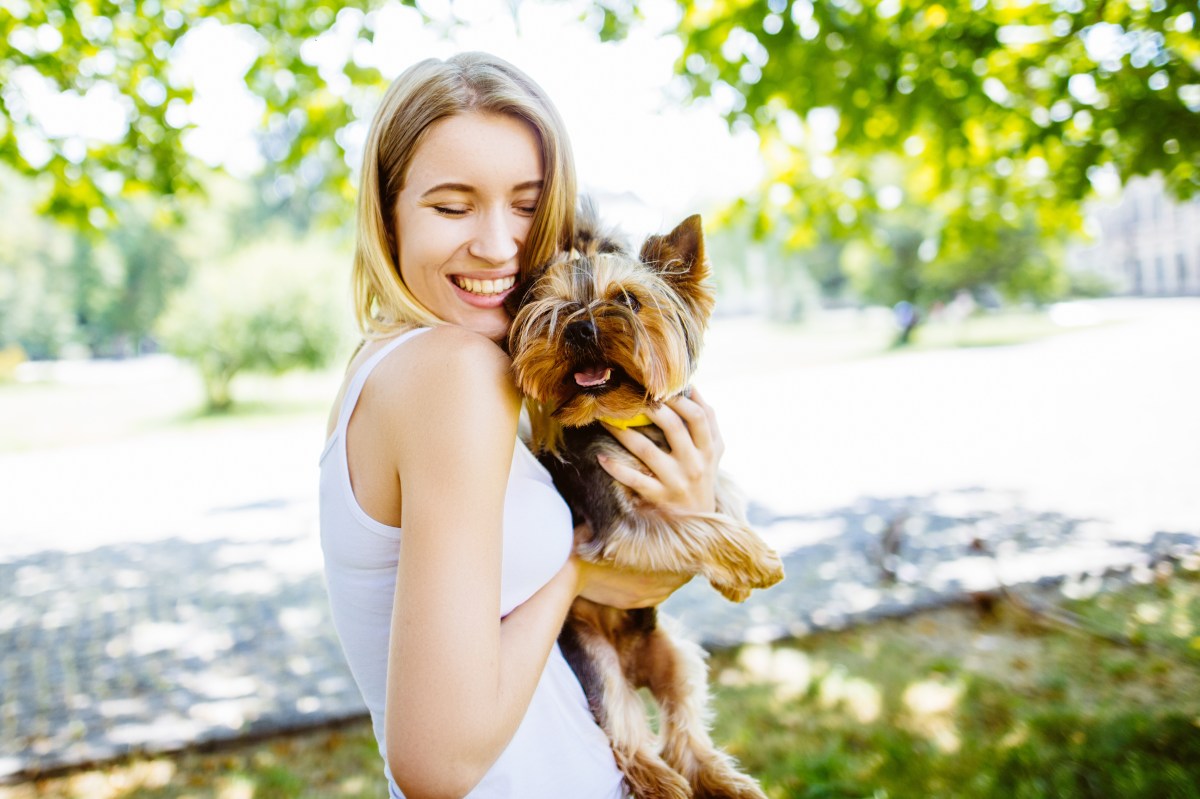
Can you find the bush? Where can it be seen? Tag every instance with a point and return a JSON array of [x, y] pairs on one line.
[[271, 307]]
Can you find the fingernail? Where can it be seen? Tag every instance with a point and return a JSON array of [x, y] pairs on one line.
[[602, 458]]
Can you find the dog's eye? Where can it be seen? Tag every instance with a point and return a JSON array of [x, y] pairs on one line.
[[628, 300]]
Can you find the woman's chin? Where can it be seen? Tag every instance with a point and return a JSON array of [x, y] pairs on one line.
[[492, 323]]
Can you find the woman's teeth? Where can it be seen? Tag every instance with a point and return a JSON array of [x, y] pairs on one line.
[[485, 286]]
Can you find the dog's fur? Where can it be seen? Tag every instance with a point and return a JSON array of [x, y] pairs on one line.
[[601, 333]]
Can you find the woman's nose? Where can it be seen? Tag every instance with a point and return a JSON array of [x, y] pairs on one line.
[[496, 238]]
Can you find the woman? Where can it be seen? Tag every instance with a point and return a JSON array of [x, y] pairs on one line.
[[450, 626]]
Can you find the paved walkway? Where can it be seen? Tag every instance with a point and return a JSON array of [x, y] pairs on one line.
[[150, 609]]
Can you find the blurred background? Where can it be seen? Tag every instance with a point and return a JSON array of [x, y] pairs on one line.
[[955, 360]]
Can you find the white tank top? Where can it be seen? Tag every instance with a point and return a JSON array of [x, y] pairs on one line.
[[558, 750]]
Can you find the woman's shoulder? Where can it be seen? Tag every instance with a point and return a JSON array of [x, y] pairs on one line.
[[446, 351], [441, 365]]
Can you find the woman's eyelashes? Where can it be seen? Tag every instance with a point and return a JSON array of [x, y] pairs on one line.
[[522, 208]]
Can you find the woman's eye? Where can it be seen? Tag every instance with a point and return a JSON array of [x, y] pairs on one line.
[[527, 210], [446, 211]]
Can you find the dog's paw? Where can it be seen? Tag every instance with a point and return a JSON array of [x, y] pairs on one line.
[[648, 777], [734, 592], [736, 584], [743, 788], [718, 778], [762, 569], [768, 570]]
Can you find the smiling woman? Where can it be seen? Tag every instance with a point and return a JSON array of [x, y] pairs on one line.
[[448, 551]]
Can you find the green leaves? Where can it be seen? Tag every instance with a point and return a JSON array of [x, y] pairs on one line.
[[980, 122], [91, 105]]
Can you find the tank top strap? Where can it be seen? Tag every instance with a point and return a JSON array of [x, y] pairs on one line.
[[354, 389]]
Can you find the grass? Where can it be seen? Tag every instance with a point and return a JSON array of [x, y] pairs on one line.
[[961, 702], [958, 704]]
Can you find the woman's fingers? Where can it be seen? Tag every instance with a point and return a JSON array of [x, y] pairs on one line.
[[697, 431], [713, 428], [642, 447], [646, 486], [681, 477]]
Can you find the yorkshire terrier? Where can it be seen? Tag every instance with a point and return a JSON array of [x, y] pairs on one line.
[[601, 334]]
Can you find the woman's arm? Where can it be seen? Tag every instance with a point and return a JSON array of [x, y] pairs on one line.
[[459, 680]]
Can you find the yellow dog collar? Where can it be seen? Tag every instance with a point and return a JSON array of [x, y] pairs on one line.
[[641, 420]]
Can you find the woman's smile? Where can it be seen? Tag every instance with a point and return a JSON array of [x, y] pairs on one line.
[[484, 292]]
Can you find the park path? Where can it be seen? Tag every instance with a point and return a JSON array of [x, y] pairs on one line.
[[165, 589]]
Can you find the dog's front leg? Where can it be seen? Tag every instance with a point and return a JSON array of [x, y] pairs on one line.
[[727, 552]]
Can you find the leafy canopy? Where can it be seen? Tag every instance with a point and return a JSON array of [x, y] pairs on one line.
[[119, 55], [992, 119]]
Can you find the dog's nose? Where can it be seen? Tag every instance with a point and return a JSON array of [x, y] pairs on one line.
[[581, 333]]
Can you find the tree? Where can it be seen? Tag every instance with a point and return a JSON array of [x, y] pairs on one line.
[[118, 52], [989, 120], [256, 311]]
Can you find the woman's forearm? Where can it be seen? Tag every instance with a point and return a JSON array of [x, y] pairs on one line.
[[481, 703]]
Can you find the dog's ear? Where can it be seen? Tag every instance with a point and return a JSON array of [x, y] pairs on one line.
[[679, 255], [680, 260]]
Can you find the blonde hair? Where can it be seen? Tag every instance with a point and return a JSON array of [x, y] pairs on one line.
[[425, 93]]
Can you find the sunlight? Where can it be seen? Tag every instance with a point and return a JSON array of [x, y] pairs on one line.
[[124, 781], [1149, 612], [857, 696], [353, 786], [1181, 621], [789, 670], [930, 703], [236, 788]]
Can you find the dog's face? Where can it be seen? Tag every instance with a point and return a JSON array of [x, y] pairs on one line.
[[602, 333]]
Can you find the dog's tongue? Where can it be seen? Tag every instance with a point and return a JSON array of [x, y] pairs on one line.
[[593, 377]]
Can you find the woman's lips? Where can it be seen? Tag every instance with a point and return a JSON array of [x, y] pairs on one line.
[[490, 293]]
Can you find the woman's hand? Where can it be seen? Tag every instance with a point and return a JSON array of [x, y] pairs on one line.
[[684, 478]]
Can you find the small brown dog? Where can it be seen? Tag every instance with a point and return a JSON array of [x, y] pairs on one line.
[[602, 334]]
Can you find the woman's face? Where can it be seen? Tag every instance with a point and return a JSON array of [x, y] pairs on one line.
[[463, 215]]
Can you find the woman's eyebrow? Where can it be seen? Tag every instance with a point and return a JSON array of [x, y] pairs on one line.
[[449, 187], [463, 187]]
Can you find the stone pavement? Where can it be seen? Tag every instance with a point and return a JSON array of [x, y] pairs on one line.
[[173, 620]]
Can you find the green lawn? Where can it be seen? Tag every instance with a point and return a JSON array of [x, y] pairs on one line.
[[962, 702]]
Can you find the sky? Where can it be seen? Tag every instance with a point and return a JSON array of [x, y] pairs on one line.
[[631, 129]]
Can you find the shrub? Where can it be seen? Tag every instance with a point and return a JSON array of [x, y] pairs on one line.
[[271, 307]]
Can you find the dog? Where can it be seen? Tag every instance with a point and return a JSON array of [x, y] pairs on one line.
[[601, 334]]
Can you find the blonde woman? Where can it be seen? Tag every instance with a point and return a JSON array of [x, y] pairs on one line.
[[447, 551]]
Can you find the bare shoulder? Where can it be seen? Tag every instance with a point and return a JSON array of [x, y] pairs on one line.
[[450, 347], [445, 355], [448, 369]]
